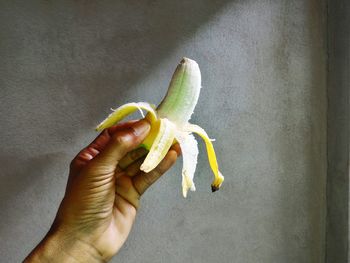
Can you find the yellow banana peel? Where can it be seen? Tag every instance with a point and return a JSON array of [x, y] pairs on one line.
[[170, 124]]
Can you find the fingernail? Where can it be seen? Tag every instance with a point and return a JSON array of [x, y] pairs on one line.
[[141, 127]]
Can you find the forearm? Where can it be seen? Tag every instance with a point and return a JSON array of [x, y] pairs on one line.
[[56, 247]]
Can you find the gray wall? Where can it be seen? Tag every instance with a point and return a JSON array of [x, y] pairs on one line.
[[338, 132], [63, 65]]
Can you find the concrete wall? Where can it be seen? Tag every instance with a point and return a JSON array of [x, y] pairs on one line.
[[65, 63], [338, 132]]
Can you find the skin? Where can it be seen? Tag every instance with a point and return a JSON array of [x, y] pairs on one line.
[[102, 197]]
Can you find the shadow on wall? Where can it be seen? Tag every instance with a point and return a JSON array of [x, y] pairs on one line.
[[338, 132], [302, 138]]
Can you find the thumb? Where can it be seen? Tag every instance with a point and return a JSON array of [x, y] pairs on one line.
[[119, 145]]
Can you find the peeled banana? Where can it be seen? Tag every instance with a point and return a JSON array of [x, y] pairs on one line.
[[170, 124]]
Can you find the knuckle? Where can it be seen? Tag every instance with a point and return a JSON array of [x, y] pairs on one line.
[[138, 189], [147, 180], [74, 163], [136, 154], [123, 139]]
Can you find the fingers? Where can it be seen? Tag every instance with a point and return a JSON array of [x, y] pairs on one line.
[[96, 146], [135, 183], [119, 145], [135, 159], [83, 157], [143, 181], [125, 189], [131, 188], [176, 148], [134, 168], [102, 140], [131, 157], [119, 126]]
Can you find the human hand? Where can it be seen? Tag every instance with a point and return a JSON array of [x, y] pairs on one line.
[[102, 197]]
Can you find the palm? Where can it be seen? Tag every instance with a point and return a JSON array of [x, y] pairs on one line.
[[112, 230], [115, 230]]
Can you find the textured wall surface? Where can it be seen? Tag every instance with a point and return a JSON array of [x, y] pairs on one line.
[[64, 64], [338, 132]]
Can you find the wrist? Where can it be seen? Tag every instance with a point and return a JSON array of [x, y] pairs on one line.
[[58, 246]]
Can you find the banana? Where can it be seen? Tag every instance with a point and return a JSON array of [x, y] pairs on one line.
[[170, 124]]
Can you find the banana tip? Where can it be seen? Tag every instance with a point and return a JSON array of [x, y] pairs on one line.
[[188, 60], [214, 188]]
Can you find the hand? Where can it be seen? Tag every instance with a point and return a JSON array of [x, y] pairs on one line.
[[102, 197]]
